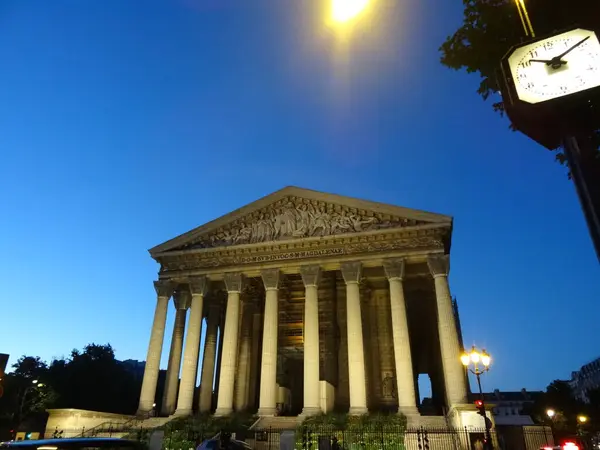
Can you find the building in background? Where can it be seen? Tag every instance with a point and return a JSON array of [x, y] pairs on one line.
[[585, 379], [508, 406]]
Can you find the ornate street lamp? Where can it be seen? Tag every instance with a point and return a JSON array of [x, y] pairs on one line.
[[478, 362]]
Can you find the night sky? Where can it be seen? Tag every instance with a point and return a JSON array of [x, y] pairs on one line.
[[124, 123]]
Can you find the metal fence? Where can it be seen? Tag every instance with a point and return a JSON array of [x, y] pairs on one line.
[[330, 438]]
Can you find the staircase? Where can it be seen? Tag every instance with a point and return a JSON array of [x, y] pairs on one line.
[[122, 429], [277, 423]]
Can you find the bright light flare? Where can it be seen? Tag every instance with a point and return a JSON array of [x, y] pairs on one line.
[[346, 10]]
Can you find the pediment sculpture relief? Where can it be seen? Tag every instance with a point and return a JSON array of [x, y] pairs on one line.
[[298, 218]]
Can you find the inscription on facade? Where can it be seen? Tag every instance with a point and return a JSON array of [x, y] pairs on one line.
[[229, 258], [296, 217]]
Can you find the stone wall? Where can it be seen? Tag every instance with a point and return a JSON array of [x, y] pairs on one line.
[[74, 421]]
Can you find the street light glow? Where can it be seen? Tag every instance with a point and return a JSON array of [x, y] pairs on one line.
[[485, 359], [582, 419], [465, 359], [550, 413], [345, 10]]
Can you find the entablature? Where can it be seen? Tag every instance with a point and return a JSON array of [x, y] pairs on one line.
[[370, 248]]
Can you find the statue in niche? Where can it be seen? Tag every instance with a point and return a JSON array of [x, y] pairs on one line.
[[388, 386]]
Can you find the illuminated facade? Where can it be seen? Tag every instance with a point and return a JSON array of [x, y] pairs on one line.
[[312, 302]]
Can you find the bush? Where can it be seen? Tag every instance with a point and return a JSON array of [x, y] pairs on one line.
[[366, 432]]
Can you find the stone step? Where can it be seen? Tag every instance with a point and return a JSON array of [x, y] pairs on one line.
[[277, 422], [432, 422]]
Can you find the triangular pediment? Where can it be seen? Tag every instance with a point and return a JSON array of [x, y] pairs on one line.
[[296, 213]]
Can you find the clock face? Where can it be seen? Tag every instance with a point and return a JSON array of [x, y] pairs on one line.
[[557, 66]]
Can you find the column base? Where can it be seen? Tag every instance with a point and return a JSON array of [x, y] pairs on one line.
[[267, 411], [358, 410], [183, 412], [221, 412], [409, 410], [308, 411]]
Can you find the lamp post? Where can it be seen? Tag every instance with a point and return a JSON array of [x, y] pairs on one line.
[[35, 384], [478, 362], [550, 413]]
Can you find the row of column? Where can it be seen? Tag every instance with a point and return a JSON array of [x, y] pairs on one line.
[[231, 369]]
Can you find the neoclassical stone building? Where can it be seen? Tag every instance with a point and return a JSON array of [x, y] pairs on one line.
[[313, 302]]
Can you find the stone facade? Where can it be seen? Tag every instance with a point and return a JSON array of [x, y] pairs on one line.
[[327, 302]]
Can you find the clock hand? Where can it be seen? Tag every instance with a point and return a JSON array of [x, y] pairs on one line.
[[557, 58], [546, 61]]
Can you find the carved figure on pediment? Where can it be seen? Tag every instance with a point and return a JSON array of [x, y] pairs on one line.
[[263, 230], [358, 222], [321, 224], [243, 234], [285, 222], [304, 219]]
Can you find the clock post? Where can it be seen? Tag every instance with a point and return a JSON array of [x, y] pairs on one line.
[[550, 87]]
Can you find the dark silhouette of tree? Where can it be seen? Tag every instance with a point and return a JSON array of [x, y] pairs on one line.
[[91, 379], [491, 27], [27, 393], [95, 380]]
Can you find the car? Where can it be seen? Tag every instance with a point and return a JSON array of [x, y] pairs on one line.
[[73, 444]]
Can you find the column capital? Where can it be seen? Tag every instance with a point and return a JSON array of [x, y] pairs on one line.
[[439, 265], [163, 288], [351, 271], [311, 275], [233, 281], [394, 268], [199, 285], [271, 278], [181, 299]]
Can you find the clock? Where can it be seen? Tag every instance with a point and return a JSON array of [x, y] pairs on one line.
[[556, 66]]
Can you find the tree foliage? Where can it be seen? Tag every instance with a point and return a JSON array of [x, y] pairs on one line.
[[91, 379], [559, 397], [491, 27]]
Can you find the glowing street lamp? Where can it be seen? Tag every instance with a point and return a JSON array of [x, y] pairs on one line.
[[345, 10], [582, 419], [478, 362], [550, 413]]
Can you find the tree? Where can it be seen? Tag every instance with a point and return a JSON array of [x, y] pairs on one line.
[[491, 27], [91, 379], [27, 393], [95, 380]]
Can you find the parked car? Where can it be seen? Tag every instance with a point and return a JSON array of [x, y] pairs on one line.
[[74, 444]]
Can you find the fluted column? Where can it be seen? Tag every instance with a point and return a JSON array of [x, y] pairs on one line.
[[185, 402], [310, 277], [454, 377], [351, 272], [163, 292], [267, 405], [405, 378], [233, 282], [182, 303], [243, 372], [208, 363]]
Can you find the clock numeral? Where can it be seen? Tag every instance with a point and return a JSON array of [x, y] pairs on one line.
[[563, 89], [525, 64], [548, 45], [533, 53], [529, 85]]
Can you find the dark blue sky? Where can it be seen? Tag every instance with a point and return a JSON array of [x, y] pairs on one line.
[[124, 123]]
